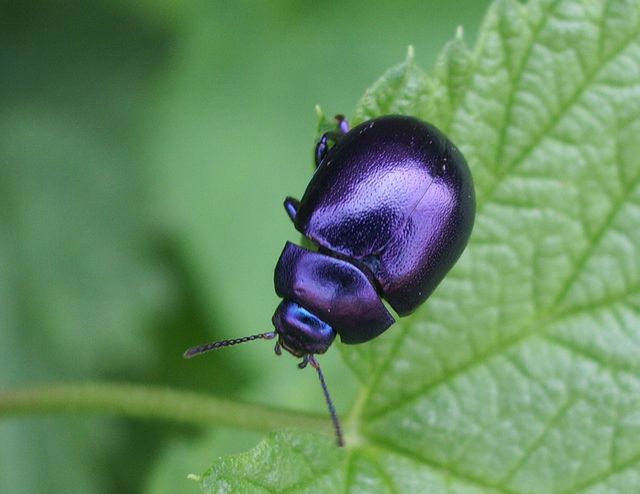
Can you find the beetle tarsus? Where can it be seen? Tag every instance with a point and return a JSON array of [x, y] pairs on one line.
[[343, 124], [304, 362]]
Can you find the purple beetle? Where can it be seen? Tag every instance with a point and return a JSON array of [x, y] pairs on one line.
[[390, 207]]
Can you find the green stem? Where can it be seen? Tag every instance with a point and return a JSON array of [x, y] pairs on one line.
[[153, 403]]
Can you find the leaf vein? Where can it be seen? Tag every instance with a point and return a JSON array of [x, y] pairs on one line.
[[591, 356], [619, 298], [517, 79], [594, 240], [533, 446], [471, 480], [596, 479], [386, 478]]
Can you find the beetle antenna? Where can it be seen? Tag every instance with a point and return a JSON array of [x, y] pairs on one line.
[[214, 345], [332, 411]]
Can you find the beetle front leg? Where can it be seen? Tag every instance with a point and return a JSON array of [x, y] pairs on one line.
[[322, 148]]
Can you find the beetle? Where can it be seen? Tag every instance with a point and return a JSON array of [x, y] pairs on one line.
[[390, 209]]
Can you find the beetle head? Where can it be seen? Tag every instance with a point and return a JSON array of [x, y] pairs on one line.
[[299, 331]]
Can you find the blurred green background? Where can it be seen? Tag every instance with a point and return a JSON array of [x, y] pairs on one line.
[[145, 150]]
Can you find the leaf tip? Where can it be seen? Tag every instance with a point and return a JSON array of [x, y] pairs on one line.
[[195, 477], [459, 33], [410, 53]]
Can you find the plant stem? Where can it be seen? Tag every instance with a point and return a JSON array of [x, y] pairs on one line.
[[153, 403]]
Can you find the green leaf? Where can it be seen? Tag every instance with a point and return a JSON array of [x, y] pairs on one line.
[[521, 374], [282, 462], [402, 89]]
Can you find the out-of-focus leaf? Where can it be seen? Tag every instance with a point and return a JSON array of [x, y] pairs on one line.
[[77, 280]]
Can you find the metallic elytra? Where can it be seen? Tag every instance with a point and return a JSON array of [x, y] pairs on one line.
[[390, 208]]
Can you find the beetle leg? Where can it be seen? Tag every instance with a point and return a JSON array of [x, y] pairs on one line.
[[291, 206], [343, 125], [322, 148], [305, 361]]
